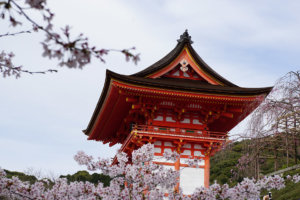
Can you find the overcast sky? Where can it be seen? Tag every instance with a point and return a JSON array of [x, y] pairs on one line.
[[250, 43]]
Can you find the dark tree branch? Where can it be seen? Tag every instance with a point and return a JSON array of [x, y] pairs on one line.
[[16, 33], [73, 53]]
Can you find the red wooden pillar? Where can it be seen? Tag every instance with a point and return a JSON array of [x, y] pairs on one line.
[[177, 168], [206, 172]]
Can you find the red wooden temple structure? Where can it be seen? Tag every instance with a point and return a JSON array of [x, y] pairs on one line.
[[179, 104]]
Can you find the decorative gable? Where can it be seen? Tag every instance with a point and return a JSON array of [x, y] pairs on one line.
[[184, 71], [185, 67]]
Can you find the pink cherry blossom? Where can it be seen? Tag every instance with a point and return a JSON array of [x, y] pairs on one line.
[[140, 179]]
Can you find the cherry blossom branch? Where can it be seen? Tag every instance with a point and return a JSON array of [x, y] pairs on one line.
[[71, 52], [16, 33], [7, 68]]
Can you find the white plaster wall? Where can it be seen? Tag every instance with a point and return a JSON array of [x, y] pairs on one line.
[[186, 121], [168, 144], [170, 119], [196, 121], [172, 129], [157, 150], [198, 146], [186, 152], [184, 161], [158, 118], [190, 179], [187, 145], [198, 153], [161, 159]]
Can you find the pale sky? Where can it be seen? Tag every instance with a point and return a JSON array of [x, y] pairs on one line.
[[250, 43]]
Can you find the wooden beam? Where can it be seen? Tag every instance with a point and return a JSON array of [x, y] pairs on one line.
[[226, 114], [131, 100], [238, 110], [136, 106]]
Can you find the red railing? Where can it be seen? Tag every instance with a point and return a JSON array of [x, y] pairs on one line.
[[179, 131]]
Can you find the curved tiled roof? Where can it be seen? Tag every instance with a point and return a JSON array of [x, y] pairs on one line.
[[184, 41]]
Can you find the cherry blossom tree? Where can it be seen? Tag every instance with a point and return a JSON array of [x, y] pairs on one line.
[[138, 179], [273, 130], [69, 51]]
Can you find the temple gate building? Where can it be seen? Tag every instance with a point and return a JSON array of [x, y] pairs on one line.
[[179, 104]]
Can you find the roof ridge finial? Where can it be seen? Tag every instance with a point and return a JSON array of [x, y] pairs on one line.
[[185, 36]]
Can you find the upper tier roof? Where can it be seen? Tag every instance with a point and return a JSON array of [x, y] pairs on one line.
[[184, 43]]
